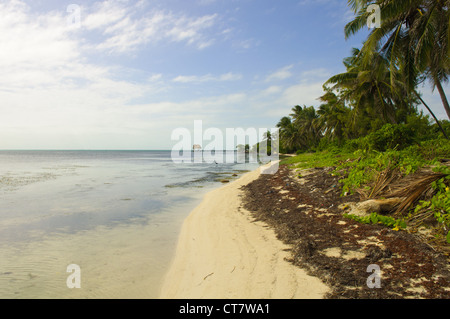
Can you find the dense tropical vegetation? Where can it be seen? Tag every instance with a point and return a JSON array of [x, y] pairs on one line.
[[380, 85], [368, 124]]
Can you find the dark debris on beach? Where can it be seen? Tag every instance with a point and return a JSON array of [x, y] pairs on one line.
[[306, 216]]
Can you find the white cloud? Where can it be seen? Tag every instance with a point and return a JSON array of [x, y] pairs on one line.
[[230, 77], [124, 28], [155, 77], [316, 74], [280, 74], [103, 14], [206, 2], [46, 83], [52, 97], [32, 40], [207, 78], [274, 89], [304, 93], [52, 92]]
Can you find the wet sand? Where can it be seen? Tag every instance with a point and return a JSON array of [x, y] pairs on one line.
[[223, 253]]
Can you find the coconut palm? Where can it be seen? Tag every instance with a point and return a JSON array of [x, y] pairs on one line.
[[333, 116], [289, 135], [415, 32], [368, 89], [270, 142], [305, 119]]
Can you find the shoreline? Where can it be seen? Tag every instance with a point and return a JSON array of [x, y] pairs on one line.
[[223, 253]]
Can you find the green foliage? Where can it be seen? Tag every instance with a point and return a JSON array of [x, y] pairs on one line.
[[368, 120], [439, 204], [420, 127], [328, 158], [390, 136], [360, 167], [375, 218], [445, 125], [433, 149], [370, 163]]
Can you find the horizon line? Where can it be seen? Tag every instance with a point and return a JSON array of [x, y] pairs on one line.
[[106, 150]]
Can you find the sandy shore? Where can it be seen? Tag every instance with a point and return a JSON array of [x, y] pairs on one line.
[[223, 254]]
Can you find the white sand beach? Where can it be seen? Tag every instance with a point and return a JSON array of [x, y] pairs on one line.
[[222, 253]]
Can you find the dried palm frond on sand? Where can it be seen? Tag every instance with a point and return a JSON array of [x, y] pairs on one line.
[[393, 193]]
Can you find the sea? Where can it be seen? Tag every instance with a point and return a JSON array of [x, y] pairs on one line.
[[97, 224]]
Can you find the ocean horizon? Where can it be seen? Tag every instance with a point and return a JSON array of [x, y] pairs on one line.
[[114, 213]]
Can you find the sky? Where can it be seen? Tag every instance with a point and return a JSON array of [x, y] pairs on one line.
[[125, 74]]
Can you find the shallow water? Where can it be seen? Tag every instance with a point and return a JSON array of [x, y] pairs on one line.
[[115, 214]]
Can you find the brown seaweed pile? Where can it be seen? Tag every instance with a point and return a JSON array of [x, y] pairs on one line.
[[305, 213]]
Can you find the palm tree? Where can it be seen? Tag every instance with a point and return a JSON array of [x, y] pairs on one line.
[[305, 119], [373, 97], [333, 116], [415, 32], [270, 140], [289, 135], [432, 49], [267, 136]]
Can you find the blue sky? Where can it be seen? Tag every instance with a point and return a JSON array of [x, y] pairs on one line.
[[122, 74]]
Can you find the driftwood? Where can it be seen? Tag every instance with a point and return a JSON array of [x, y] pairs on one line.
[[380, 206]]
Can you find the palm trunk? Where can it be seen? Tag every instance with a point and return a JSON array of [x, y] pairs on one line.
[[443, 97], [431, 112]]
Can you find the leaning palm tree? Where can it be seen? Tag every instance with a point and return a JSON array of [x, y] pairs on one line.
[[415, 32]]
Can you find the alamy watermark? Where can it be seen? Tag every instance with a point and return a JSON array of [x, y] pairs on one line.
[[74, 279], [236, 146], [374, 19], [74, 16], [374, 280]]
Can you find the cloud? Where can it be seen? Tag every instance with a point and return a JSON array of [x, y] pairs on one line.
[[155, 77], [320, 73], [124, 28], [206, 2], [46, 81], [207, 78], [52, 89], [280, 74], [246, 44], [306, 91], [103, 15], [303, 93], [274, 89], [47, 35], [41, 51], [53, 97]]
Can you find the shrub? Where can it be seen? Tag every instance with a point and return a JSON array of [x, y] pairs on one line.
[[390, 136]]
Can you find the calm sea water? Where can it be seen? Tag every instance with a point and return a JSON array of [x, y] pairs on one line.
[[115, 214]]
